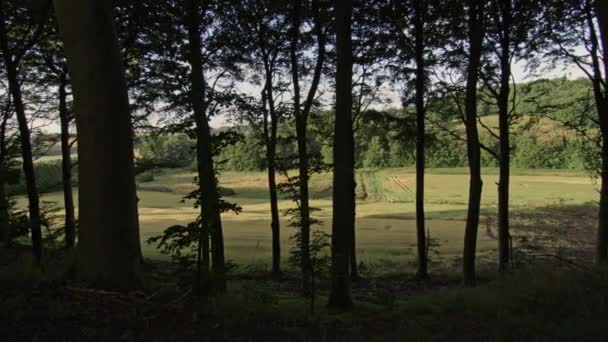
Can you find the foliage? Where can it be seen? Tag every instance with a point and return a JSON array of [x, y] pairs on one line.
[[162, 150], [49, 178]]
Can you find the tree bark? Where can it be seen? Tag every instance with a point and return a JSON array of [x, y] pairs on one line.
[[301, 120], [108, 252], [5, 227], [422, 271], [504, 237], [601, 99], [209, 200], [344, 163], [275, 224], [475, 36], [14, 85], [66, 164], [270, 135]]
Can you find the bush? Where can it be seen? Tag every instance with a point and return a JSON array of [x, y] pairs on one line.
[[145, 177], [49, 178], [173, 151]]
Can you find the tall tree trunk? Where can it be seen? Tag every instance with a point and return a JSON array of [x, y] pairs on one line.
[[208, 182], [601, 99], [66, 164], [303, 165], [475, 37], [108, 252], [602, 231], [354, 265], [420, 135], [275, 224], [271, 147], [5, 227], [344, 163], [504, 237], [14, 85]]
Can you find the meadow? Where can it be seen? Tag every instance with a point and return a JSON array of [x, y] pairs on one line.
[[547, 205]]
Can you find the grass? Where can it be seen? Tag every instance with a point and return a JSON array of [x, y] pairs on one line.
[[385, 219]]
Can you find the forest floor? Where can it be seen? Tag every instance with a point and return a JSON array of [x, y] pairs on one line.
[[540, 303], [552, 294]]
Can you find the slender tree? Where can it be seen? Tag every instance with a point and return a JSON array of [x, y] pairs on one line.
[[475, 22], [53, 71], [108, 251], [571, 24], [262, 34], [344, 162], [301, 110], [416, 29], [508, 36], [13, 53], [209, 201]]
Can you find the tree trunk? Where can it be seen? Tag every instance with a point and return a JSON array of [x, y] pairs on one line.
[[66, 164], [601, 99], [344, 163], [108, 252], [271, 147], [5, 227], [354, 265], [504, 237], [422, 272], [275, 225], [26, 144], [210, 209], [602, 231], [301, 119], [473, 147]]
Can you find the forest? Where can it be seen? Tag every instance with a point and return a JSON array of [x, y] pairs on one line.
[[303, 170]]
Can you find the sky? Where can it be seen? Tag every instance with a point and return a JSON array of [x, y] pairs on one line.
[[520, 74]]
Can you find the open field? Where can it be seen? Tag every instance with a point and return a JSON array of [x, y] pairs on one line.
[[385, 211]]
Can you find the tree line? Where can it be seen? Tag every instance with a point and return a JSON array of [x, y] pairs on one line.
[[111, 68]]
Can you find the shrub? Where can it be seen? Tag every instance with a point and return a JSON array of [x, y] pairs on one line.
[[49, 178], [145, 177], [173, 151]]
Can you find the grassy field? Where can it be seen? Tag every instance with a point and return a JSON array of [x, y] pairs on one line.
[[385, 211]]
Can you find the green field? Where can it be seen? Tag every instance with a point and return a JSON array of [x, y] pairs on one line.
[[385, 218]]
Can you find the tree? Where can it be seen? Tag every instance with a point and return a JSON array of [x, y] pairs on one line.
[[52, 71], [209, 196], [509, 25], [475, 34], [262, 31], [302, 111], [108, 252], [14, 49], [570, 24], [343, 220], [416, 30]]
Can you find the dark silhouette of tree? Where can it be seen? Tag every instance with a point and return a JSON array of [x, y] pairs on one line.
[[343, 219], [416, 30], [570, 24], [108, 252], [475, 34], [52, 69], [14, 47], [209, 201], [302, 109], [261, 28], [509, 37]]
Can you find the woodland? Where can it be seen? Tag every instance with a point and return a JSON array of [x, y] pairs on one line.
[[306, 170]]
